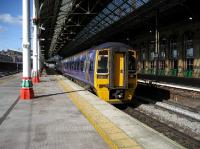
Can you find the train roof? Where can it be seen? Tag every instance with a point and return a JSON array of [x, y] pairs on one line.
[[101, 46], [110, 44]]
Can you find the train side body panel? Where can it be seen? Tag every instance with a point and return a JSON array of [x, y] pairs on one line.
[[80, 67]]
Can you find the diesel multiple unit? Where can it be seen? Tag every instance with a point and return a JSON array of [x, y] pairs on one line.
[[109, 69]]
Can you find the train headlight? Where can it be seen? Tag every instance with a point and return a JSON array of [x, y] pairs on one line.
[[131, 75], [102, 76], [129, 97]]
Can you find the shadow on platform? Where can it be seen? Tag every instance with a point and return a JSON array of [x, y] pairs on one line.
[[48, 95]]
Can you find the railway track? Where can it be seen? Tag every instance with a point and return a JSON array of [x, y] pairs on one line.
[[171, 132], [182, 125], [3, 74], [191, 113]]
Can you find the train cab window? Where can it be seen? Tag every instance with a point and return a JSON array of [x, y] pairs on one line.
[[131, 62], [102, 62]]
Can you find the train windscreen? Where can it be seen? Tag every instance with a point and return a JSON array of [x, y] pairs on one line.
[[131, 62], [102, 62]]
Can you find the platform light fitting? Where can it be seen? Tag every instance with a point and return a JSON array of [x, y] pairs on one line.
[[190, 18], [42, 28], [77, 5]]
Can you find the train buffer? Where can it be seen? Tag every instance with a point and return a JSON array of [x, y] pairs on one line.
[[65, 115]]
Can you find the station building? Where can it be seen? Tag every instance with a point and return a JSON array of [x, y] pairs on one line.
[[179, 52]]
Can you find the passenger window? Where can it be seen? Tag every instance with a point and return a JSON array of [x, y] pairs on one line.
[[77, 65], [81, 65], [102, 62], [91, 66], [85, 64]]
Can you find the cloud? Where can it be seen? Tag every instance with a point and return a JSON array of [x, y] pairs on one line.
[[2, 29], [9, 19]]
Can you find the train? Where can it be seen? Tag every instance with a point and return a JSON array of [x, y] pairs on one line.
[[108, 69]]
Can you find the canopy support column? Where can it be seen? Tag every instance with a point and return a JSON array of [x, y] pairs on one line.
[[26, 91], [35, 72]]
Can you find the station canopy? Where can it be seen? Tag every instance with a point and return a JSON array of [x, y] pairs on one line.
[[66, 24]]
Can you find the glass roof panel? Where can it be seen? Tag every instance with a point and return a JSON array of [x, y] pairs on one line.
[[112, 13]]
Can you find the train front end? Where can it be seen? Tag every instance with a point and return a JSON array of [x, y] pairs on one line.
[[115, 78]]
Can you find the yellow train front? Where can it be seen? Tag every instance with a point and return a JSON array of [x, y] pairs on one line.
[[115, 77]]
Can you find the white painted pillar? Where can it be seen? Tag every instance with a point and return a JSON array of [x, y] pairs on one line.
[[26, 91], [35, 74], [39, 57], [35, 50], [26, 39]]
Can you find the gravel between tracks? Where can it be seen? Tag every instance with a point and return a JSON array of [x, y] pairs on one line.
[[183, 124]]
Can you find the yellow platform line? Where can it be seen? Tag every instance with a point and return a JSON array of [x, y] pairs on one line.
[[112, 135]]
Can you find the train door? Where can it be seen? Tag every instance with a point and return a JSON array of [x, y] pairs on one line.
[[119, 64]]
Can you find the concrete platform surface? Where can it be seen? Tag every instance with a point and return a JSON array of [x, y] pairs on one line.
[[50, 120], [65, 115], [117, 127], [9, 93]]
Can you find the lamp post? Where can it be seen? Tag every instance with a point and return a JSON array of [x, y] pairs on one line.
[[26, 91]]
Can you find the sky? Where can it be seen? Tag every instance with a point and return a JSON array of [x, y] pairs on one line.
[[10, 24]]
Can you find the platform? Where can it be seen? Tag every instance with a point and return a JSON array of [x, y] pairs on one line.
[[65, 115], [48, 121], [9, 93]]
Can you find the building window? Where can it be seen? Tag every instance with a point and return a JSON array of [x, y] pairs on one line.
[[188, 45], [189, 51], [174, 64], [173, 48], [152, 51], [152, 56], [152, 64], [143, 54], [143, 64], [174, 53], [163, 49], [162, 64], [189, 64]]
